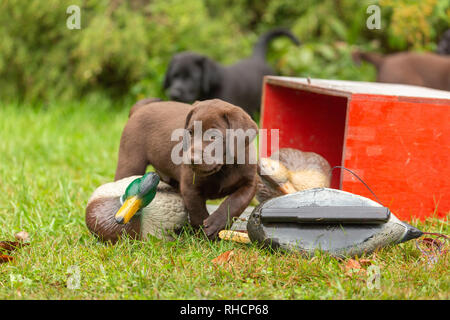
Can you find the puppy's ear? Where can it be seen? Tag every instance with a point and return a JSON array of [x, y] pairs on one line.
[[167, 77], [210, 76], [237, 118]]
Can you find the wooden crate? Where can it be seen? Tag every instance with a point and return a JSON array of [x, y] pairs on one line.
[[395, 137]]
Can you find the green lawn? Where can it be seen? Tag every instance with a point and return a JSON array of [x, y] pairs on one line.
[[52, 158]]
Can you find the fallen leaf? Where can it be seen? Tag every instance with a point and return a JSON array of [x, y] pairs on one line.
[[22, 236], [5, 258], [9, 246], [352, 264], [353, 267], [224, 257], [365, 262]]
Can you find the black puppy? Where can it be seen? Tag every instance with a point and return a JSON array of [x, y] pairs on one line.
[[191, 76]]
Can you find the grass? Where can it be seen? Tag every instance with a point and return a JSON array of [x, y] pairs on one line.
[[53, 157]]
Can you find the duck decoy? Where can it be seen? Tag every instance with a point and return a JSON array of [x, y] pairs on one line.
[[334, 221], [137, 206], [290, 170]]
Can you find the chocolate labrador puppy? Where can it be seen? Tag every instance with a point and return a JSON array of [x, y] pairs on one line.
[[191, 76], [420, 69], [150, 137]]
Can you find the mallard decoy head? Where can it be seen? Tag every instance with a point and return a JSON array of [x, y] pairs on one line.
[[138, 195], [136, 206]]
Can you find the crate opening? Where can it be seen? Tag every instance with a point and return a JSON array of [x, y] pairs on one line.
[[313, 122]]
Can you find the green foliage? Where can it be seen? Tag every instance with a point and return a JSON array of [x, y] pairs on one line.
[[123, 47], [414, 24]]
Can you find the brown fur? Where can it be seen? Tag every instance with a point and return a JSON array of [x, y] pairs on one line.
[[420, 69], [146, 140]]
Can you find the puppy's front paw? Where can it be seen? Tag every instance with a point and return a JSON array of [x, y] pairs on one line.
[[212, 226]]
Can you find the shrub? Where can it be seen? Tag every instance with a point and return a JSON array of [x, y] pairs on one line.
[[123, 47]]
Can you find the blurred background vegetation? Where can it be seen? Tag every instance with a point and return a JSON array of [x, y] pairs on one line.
[[123, 47]]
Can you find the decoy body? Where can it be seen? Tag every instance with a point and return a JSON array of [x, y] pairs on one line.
[[137, 206], [290, 170], [340, 223]]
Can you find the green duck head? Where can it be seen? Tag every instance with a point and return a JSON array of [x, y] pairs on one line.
[[139, 193]]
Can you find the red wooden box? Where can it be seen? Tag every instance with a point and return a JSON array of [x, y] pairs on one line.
[[395, 137]]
